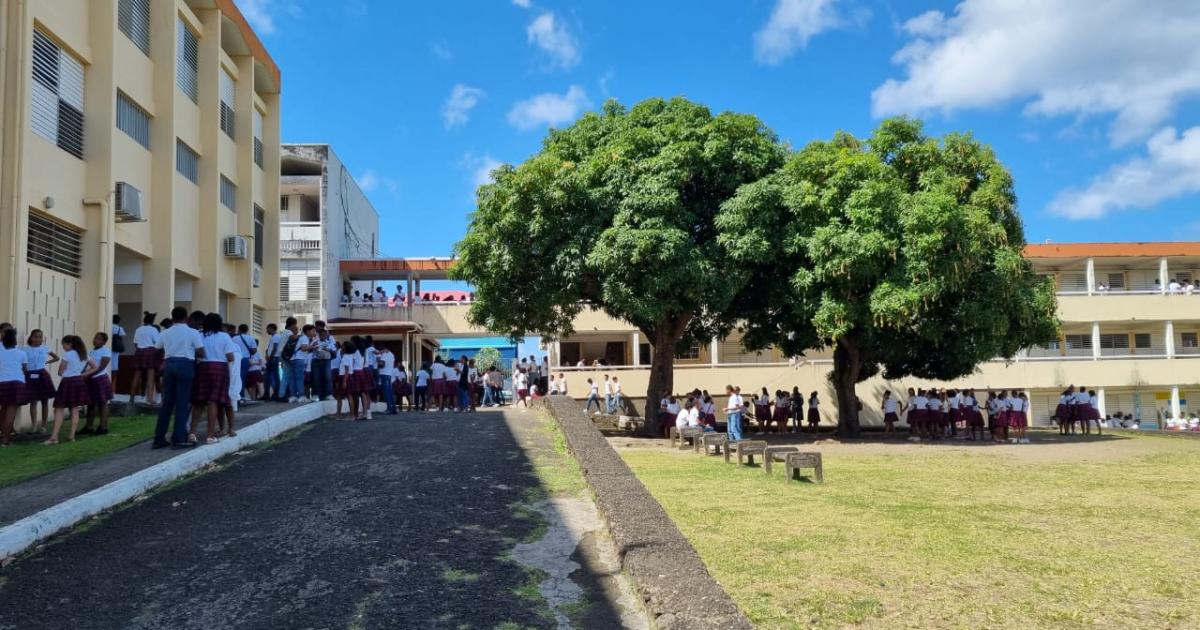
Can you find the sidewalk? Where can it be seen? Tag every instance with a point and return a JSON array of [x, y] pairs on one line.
[[34, 495]]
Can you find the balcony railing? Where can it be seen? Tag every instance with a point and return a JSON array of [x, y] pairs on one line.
[[300, 231]]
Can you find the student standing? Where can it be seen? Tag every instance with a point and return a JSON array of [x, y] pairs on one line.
[[891, 412], [39, 387], [387, 369], [422, 387], [72, 390], [145, 360], [212, 378], [608, 398], [182, 346], [593, 397], [814, 411], [99, 384], [271, 378], [14, 364], [733, 413]]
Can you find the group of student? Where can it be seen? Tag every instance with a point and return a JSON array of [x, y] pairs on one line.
[[1077, 405], [84, 383], [613, 397], [400, 298]]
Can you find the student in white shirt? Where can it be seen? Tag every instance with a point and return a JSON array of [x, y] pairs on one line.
[[254, 376], [608, 397], [72, 388], [733, 413], [562, 384], [39, 387], [181, 346], [212, 379], [593, 397], [145, 360], [117, 331], [891, 412], [386, 373], [99, 384], [616, 395], [421, 388], [13, 366]]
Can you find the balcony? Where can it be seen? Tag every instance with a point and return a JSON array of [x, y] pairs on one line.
[[450, 318], [299, 239], [1127, 306]]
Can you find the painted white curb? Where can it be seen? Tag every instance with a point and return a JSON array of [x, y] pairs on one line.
[[26, 532]]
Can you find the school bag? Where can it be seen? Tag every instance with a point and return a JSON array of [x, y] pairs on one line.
[[289, 348], [118, 343]]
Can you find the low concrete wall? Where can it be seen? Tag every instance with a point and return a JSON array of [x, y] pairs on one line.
[[677, 588]]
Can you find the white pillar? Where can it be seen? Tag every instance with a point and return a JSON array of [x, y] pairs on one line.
[[1170, 332], [1101, 405], [1162, 274], [1091, 275], [556, 355], [636, 339], [1175, 412], [714, 351], [1095, 340]]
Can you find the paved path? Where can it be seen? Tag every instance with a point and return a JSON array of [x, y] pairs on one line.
[[28, 497], [348, 525]]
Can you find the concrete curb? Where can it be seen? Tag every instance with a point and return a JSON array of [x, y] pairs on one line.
[[677, 588], [20, 535]]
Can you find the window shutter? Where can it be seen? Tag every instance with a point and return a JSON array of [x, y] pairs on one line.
[[187, 62], [54, 246], [313, 286], [283, 203], [133, 120], [258, 143], [284, 288], [56, 99], [227, 103], [133, 18], [259, 220], [256, 318], [228, 194], [187, 162]]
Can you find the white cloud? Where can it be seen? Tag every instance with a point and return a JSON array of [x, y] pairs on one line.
[[442, 52], [261, 13], [524, 4], [552, 36], [483, 170], [1169, 169], [463, 98], [371, 181], [549, 109], [1136, 60], [792, 24]]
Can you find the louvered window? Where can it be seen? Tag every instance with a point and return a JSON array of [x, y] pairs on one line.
[[133, 120], [257, 316], [1116, 280], [259, 220], [187, 162], [1141, 341], [228, 194], [285, 286], [1079, 342], [258, 143], [187, 61], [283, 203], [227, 103], [57, 95], [313, 286], [133, 18], [54, 246]]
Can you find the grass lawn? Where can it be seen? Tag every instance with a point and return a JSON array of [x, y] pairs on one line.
[[26, 459], [1104, 533]]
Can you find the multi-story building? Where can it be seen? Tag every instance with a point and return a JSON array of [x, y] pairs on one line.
[[324, 218], [140, 163], [1131, 331]]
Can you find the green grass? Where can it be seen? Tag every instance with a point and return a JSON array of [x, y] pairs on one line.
[[557, 471], [28, 459], [1041, 536]]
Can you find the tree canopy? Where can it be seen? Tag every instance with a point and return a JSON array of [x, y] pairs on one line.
[[617, 212], [901, 252]]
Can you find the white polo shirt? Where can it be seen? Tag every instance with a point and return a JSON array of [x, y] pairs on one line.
[[180, 341]]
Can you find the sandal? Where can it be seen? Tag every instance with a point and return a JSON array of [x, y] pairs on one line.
[[211, 439], [192, 439], [49, 442], [232, 434]]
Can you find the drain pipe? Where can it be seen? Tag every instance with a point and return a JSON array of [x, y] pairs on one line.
[[104, 305], [11, 141]]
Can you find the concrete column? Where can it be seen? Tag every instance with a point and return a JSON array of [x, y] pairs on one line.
[[1163, 274], [556, 354], [1095, 340], [1175, 411], [1101, 405], [1091, 276], [714, 351], [635, 339], [1170, 333]]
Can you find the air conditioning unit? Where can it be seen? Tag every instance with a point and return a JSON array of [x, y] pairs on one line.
[[235, 247], [127, 201], [256, 276]]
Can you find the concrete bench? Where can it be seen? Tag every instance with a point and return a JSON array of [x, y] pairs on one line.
[[776, 454], [797, 461], [746, 450], [690, 433], [717, 442]]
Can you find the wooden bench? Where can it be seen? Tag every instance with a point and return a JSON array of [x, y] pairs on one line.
[[718, 442], [776, 454], [797, 461], [690, 433], [746, 450]]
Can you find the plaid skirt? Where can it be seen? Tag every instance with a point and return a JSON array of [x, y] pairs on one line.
[[253, 377], [781, 415], [890, 417], [403, 388], [100, 389], [814, 415], [916, 416], [39, 386], [72, 392], [1018, 419], [13, 394], [212, 383], [1062, 412], [145, 359], [339, 387], [360, 383]]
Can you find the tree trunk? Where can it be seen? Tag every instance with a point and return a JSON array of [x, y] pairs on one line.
[[662, 369], [847, 363]]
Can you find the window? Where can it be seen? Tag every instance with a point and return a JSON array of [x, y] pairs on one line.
[[691, 353], [1079, 342], [258, 234], [227, 103], [257, 316], [187, 61], [1141, 341], [1189, 340], [1116, 280], [283, 203], [285, 288], [258, 143], [1118, 341], [228, 194], [54, 246], [57, 95], [133, 120], [1183, 277], [187, 163], [313, 288], [133, 18]]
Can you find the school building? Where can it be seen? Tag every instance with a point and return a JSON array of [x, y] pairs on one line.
[[1126, 333], [139, 163]]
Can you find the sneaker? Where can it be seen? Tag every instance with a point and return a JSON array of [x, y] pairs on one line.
[[1024, 440], [1012, 440], [292, 400]]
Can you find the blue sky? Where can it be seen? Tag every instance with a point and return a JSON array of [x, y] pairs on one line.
[[1091, 105]]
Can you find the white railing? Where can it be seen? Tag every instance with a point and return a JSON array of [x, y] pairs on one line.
[[300, 231]]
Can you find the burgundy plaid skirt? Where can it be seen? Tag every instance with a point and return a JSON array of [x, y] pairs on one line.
[[13, 394], [1062, 411], [212, 383], [100, 389], [339, 388], [781, 414], [145, 359], [39, 386], [762, 413], [890, 417], [916, 416], [253, 377], [72, 392], [360, 383], [403, 388], [1018, 419]]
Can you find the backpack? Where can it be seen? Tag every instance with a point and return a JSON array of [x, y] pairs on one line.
[[118, 343], [289, 348]]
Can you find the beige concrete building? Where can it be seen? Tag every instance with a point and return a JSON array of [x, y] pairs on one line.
[[1130, 332], [139, 163]]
